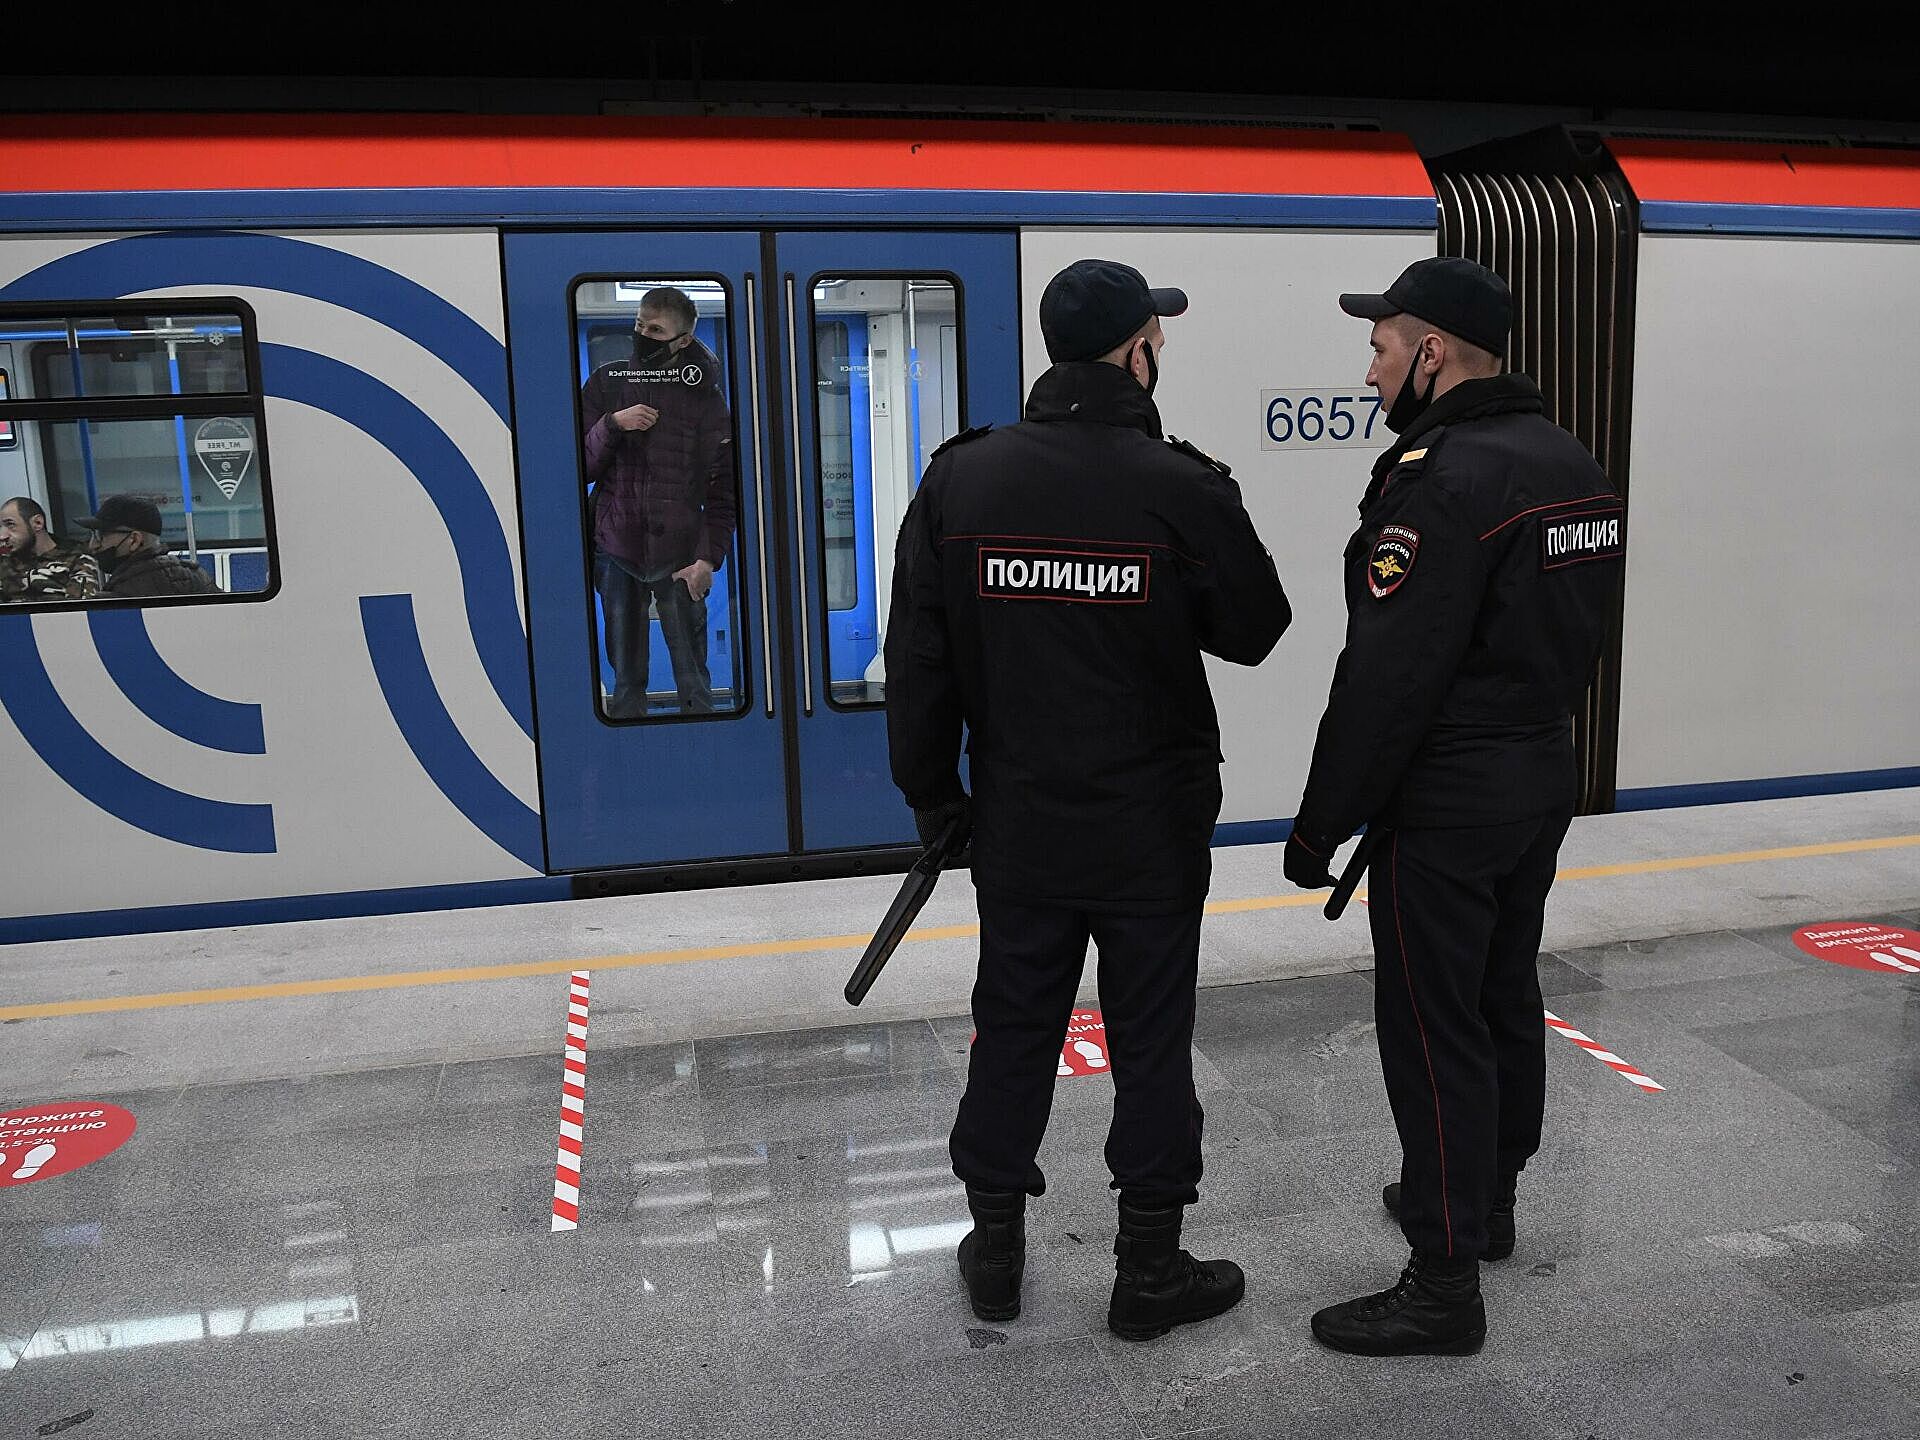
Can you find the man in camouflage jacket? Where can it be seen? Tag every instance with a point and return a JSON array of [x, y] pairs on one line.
[[35, 564]]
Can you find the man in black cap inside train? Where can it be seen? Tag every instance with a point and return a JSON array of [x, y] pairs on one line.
[[1478, 590], [1055, 584]]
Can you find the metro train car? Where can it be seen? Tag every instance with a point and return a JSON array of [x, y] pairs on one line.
[[347, 358]]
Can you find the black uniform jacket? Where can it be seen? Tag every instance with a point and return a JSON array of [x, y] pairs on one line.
[[1054, 585], [1478, 587]]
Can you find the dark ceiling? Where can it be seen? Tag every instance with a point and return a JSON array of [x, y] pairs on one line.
[[1341, 61]]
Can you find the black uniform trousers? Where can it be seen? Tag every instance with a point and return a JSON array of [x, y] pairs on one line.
[[1456, 914], [1030, 962]]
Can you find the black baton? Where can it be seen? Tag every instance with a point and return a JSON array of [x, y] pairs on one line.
[[914, 893], [1350, 878]]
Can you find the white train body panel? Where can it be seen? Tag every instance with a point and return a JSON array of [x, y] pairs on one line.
[[1772, 623]]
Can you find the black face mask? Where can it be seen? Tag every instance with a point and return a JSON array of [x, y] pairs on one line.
[[108, 558], [1153, 366], [650, 352], [1407, 405]]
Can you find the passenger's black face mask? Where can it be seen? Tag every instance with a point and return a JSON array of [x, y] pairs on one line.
[[1407, 405], [1153, 366], [649, 351]]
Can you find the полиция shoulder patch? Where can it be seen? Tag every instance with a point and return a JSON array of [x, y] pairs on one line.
[[1392, 559]]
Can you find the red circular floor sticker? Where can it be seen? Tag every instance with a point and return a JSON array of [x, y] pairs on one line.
[[1886, 948], [38, 1142]]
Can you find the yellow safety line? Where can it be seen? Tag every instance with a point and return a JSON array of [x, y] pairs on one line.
[[1737, 857], [1267, 902], [347, 984]]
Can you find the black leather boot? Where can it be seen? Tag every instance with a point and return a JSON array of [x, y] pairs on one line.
[[993, 1255], [1435, 1310], [1500, 1234], [1157, 1285]]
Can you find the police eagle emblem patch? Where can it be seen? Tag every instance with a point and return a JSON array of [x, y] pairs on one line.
[[1392, 559]]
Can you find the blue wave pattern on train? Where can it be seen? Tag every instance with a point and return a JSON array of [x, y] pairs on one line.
[[78, 740]]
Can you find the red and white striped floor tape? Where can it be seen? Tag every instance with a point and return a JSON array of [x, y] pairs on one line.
[[573, 1109], [1601, 1053]]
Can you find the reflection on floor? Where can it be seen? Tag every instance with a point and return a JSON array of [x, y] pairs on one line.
[[768, 1222]]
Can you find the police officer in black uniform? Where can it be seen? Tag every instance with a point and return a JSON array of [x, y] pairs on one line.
[[1055, 584], [1478, 588]]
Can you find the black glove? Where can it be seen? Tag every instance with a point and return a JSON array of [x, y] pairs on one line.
[[932, 824], [1305, 866]]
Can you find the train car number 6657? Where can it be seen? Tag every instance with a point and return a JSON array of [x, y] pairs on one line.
[[1321, 420]]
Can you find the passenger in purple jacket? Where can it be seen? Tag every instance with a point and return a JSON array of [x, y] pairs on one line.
[[659, 452]]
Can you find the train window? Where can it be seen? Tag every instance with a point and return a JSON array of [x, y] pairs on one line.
[[886, 352], [132, 453], [141, 354], [662, 492]]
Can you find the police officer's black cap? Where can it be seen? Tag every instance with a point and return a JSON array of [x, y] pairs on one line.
[[1092, 306], [1450, 294], [125, 512]]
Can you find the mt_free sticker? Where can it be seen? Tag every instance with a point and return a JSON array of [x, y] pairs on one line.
[[1888, 949], [38, 1142]]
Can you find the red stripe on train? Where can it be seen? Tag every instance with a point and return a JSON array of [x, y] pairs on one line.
[[56, 153]]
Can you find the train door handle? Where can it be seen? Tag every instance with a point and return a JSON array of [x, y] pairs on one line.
[[799, 506], [765, 510]]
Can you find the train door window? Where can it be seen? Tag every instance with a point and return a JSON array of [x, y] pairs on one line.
[[660, 476], [136, 435], [886, 353]]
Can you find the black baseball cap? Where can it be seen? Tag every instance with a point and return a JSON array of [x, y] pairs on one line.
[[125, 512], [1092, 306], [1451, 294]]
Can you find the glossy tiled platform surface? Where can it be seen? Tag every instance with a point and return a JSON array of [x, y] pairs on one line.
[[768, 1222]]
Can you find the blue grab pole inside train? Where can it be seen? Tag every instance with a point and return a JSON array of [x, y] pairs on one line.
[[913, 413], [913, 390], [180, 445], [86, 439]]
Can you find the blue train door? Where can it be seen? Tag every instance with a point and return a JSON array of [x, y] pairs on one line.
[[717, 435], [658, 718], [899, 340]]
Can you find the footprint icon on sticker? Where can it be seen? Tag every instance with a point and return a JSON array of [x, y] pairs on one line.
[[36, 1157], [1091, 1053]]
